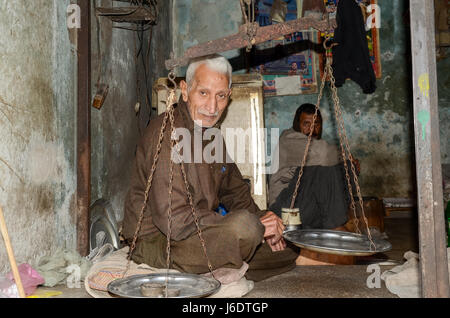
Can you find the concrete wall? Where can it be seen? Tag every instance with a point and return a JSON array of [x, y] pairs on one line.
[[38, 123], [116, 127], [161, 46], [379, 126], [37, 128], [198, 21]]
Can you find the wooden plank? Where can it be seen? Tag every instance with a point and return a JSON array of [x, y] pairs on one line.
[[10, 252], [241, 40], [432, 238], [84, 128]]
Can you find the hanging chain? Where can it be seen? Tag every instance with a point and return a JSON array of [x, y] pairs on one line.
[[170, 100], [328, 73], [147, 190], [249, 21], [199, 231], [300, 174], [342, 132], [174, 145], [341, 129], [169, 115]]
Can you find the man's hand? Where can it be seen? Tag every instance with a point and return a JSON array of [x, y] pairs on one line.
[[274, 231]]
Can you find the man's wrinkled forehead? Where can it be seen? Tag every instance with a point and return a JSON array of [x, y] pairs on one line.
[[203, 76], [209, 88]]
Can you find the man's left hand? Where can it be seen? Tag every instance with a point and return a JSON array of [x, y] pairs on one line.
[[274, 231]]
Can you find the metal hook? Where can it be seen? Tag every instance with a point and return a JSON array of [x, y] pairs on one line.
[[172, 77], [331, 45]]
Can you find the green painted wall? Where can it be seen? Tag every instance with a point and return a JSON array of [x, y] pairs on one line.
[[379, 126]]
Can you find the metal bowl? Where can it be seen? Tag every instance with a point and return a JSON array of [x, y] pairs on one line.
[[189, 285], [336, 242]]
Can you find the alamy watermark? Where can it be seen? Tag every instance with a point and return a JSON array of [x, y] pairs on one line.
[[372, 21], [374, 279], [242, 146], [374, 18], [74, 278], [73, 16]]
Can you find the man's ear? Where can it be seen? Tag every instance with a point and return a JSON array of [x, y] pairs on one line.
[[184, 93]]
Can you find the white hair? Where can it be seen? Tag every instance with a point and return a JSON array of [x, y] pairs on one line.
[[214, 62]]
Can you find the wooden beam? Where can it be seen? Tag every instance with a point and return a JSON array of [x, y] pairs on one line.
[[240, 40], [432, 238]]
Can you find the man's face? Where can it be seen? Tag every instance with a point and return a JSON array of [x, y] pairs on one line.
[[207, 97], [306, 121]]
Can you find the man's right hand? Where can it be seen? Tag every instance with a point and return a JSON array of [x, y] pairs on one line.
[[274, 231]]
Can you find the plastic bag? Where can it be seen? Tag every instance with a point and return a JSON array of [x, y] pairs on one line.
[[30, 278], [8, 288]]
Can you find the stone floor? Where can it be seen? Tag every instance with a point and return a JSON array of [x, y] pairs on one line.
[[344, 281], [340, 281]]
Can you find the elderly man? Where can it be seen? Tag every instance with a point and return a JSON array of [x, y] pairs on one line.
[[245, 234]]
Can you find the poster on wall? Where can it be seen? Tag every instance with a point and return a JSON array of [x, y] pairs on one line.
[[288, 64]]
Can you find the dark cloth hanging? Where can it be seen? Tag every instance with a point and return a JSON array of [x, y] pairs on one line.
[[351, 57]]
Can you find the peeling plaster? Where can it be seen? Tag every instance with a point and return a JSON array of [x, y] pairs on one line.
[[37, 154], [387, 56]]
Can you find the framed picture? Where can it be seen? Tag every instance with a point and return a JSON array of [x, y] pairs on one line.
[[289, 63]]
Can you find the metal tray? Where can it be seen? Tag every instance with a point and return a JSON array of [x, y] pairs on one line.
[[336, 242], [190, 285]]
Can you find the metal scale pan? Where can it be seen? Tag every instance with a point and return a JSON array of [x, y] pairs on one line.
[[336, 242], [188, 285]]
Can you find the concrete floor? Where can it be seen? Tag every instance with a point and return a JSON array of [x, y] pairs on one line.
[[340, 281], [344, 281]]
